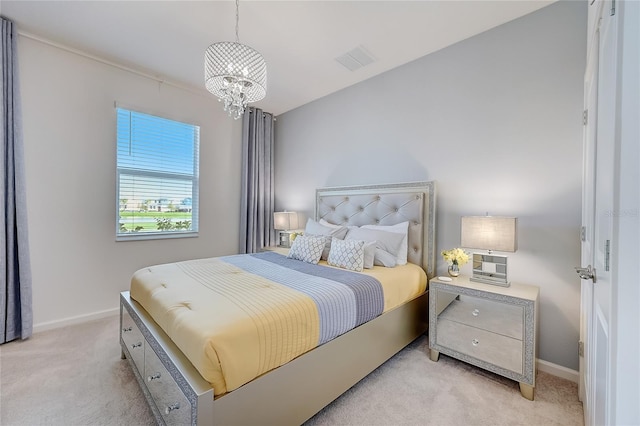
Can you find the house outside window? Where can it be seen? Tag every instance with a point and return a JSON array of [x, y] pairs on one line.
[[157, 177]]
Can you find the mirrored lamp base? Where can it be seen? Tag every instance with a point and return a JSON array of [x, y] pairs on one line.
[[490, 269], [284, 238]]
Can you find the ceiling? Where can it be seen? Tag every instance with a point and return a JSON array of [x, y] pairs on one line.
[[300, 40]]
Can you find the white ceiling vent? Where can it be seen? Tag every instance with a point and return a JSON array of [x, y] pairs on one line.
[[356, 58]]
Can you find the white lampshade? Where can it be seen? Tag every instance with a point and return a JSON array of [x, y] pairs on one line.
[[489, 233], [236, 74], [285, 220]]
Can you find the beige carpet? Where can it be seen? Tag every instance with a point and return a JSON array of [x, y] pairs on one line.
[[74, 376]]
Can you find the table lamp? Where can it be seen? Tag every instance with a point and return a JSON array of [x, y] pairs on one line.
[[285, 222], [489, 233]]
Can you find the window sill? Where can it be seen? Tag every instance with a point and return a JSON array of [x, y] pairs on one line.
[[156, 236]]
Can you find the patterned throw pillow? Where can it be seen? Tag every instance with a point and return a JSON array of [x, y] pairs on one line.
[[347, 254], [307, 248]]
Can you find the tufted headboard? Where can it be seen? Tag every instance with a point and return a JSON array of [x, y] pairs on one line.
[[386, 205]]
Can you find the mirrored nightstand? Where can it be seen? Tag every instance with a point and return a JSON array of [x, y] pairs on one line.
[[489, 326]]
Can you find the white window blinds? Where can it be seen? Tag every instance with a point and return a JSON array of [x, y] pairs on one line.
[[157, 185]]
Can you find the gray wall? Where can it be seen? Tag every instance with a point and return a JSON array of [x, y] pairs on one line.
[[496, 121], [70, 148]]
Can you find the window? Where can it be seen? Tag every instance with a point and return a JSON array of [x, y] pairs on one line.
[[157, 187]]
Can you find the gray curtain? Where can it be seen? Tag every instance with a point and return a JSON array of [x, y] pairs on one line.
[[257, 202], [16, 317]]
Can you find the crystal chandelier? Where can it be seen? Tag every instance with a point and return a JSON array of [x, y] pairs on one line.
[[235, 73]]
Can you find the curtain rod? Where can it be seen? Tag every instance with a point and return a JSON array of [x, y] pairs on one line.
[[251, 111]]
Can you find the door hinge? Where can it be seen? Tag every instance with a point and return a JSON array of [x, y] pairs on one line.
[[613, 7], [607, 250], [585, 117], [583, 234], [580, 348]]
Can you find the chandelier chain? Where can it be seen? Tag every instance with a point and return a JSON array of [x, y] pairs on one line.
[[237, 20]]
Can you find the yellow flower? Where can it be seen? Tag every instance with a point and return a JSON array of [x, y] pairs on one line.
[[456, 256]]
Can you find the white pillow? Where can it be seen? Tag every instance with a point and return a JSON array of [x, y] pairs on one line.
[[400, 228], [307, 248], [386, 245], [315, 228], [328, 224], [347, 254]]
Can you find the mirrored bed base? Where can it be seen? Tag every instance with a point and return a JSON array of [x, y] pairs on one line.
[[288, 395]]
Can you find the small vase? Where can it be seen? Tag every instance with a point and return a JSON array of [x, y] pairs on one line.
[[454, 270]]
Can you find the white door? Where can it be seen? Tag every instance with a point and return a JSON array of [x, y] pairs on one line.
[[588, 211], [598, 217]]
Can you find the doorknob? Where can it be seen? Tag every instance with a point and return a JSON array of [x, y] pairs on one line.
[[587, 273]]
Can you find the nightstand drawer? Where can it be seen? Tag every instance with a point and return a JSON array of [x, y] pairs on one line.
[[493, 348], [495, 317]]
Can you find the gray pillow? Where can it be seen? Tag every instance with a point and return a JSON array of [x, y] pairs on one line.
[[387, 244], [314, 228], [384, 258], [369, 254]]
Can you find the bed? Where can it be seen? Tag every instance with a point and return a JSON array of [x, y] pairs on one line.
[[175, 387]]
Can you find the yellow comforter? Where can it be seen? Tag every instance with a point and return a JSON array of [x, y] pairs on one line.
[[234, 325]]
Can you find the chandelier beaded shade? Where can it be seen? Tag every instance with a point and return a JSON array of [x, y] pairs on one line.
[[235, 73]]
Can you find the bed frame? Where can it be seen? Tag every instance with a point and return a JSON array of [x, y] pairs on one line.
[[294, 392]]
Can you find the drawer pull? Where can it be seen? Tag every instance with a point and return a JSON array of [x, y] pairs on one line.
[[475, 342], [136, 345], [475, 313], [154, 377], [172, 407], [126, 330]]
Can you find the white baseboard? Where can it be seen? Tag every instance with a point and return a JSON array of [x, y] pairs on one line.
[[50, 325], [558, 370]]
